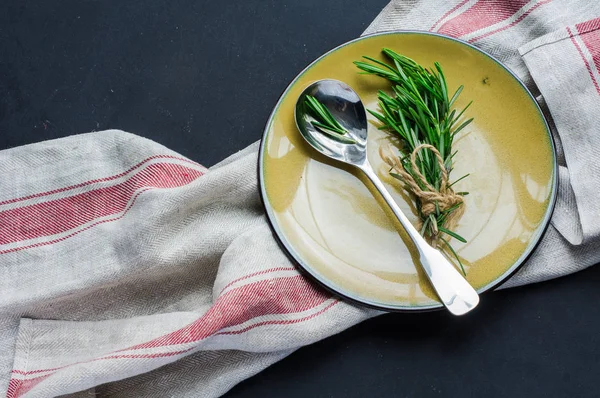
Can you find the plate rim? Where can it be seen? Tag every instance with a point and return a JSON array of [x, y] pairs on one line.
[[324, 282]]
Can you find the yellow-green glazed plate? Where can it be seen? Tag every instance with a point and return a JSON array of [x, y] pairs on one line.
[[329, 221]]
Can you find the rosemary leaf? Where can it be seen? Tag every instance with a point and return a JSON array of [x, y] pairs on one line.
[[325, 122], [452, 234], [449, 246]]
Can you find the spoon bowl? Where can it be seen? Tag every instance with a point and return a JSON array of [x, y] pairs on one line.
[[346, 107]]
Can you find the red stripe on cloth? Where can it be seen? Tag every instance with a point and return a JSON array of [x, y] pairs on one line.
[[516, 21], [266, 271], [123, 356], [105, 179], [20, 372], [588, 26], [269, 297], [19, 387], [53, 241], [456, 7], [281, 322], [590, 35], [585, 61], [482, 14], [61, 215], [13, 387]]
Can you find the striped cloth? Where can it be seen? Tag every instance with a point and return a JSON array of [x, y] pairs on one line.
[[128, 270]]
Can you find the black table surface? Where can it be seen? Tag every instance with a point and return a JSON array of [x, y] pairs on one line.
[[201, 78]]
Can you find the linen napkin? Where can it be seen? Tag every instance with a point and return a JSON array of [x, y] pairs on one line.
[[128, 270]]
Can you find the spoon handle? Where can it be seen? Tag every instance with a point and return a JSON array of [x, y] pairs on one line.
[[455, 292]]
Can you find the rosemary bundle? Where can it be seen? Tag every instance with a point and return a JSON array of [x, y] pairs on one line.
[[419, 112]]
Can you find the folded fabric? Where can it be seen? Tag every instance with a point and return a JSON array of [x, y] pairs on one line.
[[128, 270]]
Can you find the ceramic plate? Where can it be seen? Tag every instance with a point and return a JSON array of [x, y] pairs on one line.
[[330, 223]]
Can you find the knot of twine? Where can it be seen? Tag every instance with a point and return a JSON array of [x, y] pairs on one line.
[[429, 197]]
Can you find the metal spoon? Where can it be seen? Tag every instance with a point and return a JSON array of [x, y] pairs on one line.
[[455, 292]]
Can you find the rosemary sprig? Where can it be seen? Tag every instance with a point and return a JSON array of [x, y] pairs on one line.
[[420, 112], [325, 122]]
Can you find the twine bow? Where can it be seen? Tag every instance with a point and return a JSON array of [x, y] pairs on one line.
[[429, 197]]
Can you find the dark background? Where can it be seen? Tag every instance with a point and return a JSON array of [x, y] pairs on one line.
[[201, 78]]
